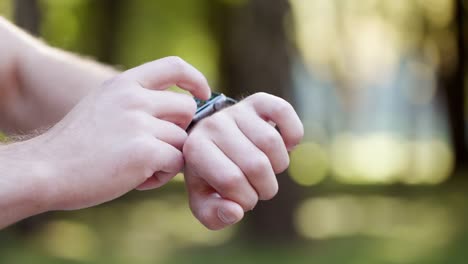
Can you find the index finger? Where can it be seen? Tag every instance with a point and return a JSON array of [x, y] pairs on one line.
[[163, 73], [280, 112]]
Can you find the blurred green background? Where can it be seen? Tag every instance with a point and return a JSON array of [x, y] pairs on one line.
[[379, 84]]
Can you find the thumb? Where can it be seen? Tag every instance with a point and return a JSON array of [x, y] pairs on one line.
[[215, 212], [209, 207], [165, 72]]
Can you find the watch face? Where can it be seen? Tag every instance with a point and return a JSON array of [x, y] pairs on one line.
[[202, 104], [208, 107]]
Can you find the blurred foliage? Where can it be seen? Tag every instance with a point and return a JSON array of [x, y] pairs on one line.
[[367, 81], [375, 160], [145, 30], [3, 137], [70, 25], [6, 8], [364, 226]]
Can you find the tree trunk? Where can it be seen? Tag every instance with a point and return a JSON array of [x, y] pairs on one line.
[[27, 15], [108, 12], [454, 89], [255, 57]]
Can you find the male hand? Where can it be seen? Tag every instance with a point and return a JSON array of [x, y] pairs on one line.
[[231, 158], [127, 134]]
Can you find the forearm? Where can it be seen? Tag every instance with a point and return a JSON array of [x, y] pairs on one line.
[[40, 83], [23, 188], [53, 81]]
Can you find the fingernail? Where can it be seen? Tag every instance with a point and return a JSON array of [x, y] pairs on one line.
[[226, 217]]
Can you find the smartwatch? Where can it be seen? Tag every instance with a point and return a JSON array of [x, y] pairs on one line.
[[208, 107]]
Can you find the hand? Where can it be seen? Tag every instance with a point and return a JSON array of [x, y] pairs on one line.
[[128, 133], [231, 158]]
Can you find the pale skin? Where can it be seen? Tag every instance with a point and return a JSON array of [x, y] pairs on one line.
[[113, 132]]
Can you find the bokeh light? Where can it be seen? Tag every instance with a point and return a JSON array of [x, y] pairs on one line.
[[6, 8], [309, 164], [422, 225], [431, 162], [70, 240], [375, 158], [370, 80]]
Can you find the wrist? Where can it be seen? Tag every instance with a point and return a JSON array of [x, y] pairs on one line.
[[43, 175], [27, 190]]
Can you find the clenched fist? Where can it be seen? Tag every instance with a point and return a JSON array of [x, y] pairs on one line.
[[231, 157]]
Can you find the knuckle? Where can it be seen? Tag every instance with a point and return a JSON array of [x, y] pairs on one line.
[[240, 110], [270, 193], [191, 104], [127, 98], [282, 165], [229, 182], [300, 133], [176, 62], [250, 203], [181, 134], [116, 82], [269, 139], [256, 167], [214, 123], [201, 79], [282, 107], [294, 137], [260, 96]]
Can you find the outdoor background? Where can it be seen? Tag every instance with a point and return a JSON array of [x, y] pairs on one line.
[[379, 84]]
